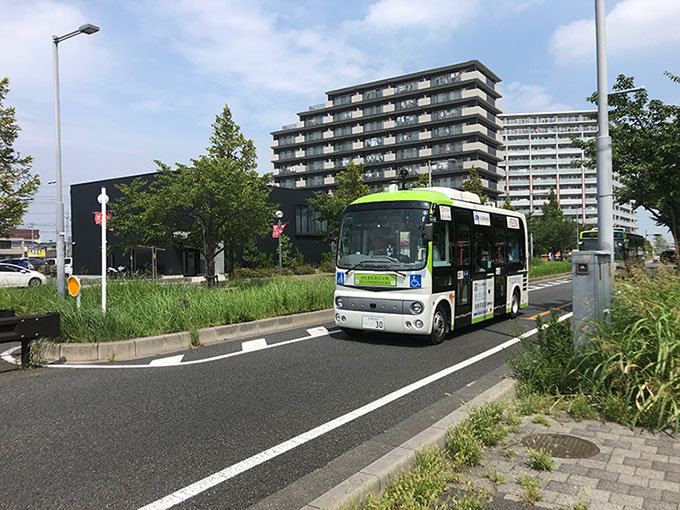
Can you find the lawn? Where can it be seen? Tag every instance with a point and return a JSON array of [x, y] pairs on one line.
[[540, 267]]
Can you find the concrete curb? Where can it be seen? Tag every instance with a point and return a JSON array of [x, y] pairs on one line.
[[174, 342], [376, 477]]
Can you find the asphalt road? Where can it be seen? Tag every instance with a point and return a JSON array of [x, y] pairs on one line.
[[128, 437]]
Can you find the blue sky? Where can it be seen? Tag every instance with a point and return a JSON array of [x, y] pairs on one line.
[[149, 84]]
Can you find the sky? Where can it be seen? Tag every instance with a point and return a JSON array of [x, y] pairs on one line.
[[149, 84]]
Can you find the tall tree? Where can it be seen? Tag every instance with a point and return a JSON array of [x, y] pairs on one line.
[[645, 153], [507, 204], [218, 203], [473, 184], [422, 182], [553, 232], [17, 184], [329, 206]]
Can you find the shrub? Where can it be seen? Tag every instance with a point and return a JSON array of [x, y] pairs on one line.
[[463, 445]]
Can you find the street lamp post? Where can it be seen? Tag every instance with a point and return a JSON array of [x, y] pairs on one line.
[[83, 29], [279, 215]]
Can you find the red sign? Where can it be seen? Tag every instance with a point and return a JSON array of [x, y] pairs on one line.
[[276, 232], [98, 217]]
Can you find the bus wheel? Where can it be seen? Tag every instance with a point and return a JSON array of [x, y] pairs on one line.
[[440, 326], [514, 305], [352, 332]]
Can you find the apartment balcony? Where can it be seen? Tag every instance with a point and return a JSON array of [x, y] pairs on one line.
[[356, 98], [482, 165], [327, 119], [424, 101], [389, 140], [327, 134], [424, 118], [390, 173], [275, 158], [328, 149], [390, 156], [424, 135], [358, 161], [329, 180], [389, 124], [475, 128], [389, 91], [475, 146], [300, 184], [274, 143], [357, 114], [299, 139], [465, 94], [474, 110], [356, 130], [328, 165], [357, 145], [275, 172], [424, 84], [300, 169], [300, 153], [425, 153], [388, 108]]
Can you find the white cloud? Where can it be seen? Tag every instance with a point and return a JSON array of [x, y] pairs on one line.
[[520, 98], [434, 14], [26, 30], [632, 25]]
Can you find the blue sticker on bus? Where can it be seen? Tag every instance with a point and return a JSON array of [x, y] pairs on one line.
[[340, 278], [415, 281], [466, 273]]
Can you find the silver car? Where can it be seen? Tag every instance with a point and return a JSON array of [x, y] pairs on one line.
[[17, 276]]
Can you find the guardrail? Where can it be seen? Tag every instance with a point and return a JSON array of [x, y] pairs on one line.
[[26, 328]]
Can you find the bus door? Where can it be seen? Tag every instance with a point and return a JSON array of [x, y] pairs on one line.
[[483, 275], [462, 265], [499, 265]]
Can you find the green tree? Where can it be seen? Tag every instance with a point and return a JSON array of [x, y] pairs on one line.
[[508, 205], [17, 184], [218, 203], [422, 182], [473, 184], [645, 153], [329, 206], [660, 244], [553, 232]]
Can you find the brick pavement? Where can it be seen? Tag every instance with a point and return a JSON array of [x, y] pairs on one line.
[[635, 469]]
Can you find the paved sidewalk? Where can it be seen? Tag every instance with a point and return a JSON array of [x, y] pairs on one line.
[[634, 469]]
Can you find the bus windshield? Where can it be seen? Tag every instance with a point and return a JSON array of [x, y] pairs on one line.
[[383, 239]]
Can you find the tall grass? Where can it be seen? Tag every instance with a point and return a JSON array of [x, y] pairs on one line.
[[540, 267], [631, 371], [138, 308]]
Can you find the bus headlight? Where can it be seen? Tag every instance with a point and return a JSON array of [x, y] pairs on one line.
[[338, 302], [416, 308]]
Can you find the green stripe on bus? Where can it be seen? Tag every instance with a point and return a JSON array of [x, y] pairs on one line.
[[482, 318]]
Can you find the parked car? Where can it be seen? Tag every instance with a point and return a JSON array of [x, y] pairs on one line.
[[37, 262], [18, 262], [17, 276], [68, 265]]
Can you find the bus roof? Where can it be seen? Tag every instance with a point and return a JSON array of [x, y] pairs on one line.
[[438, 195]]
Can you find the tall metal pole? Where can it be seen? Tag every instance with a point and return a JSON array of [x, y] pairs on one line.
[[429, 173], [280, 259], [605, 193], [61, 279], [103, 199]]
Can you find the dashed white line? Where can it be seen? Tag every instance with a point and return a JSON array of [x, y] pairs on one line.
[[167, 362], [219, 477], [254, 345]]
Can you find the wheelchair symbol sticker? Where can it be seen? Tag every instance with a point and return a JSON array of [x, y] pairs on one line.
[[340, 278], [415, 281]]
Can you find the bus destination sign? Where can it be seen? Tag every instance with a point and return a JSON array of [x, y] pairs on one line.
[[376, 280]]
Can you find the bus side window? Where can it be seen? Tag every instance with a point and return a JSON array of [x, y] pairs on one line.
[[514, 243], [440, 244], [499, 244], [483, 256], [461, 255]]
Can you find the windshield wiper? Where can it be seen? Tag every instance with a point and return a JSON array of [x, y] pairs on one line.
[[371, 260], [357, 265]]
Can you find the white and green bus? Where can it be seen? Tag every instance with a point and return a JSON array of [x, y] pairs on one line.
[[424, 261]]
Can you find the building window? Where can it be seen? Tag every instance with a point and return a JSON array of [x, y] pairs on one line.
[[445, 79], [407, 153], [342, 131], [374, 142], [373, 126], [406, 103], [344, 115], [314, 121], [373, 110], [372, 94], [446, 114], [307, 221], [445, 131], [315, 150], [376, 157], [408, 136], [314, 135], [406, 87], [405, 120], [443, 97], [340, 100]]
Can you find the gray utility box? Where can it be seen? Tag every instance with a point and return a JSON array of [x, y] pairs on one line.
[[591, 289]]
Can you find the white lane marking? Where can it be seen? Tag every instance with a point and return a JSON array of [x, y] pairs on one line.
[[200, 486], [319, 331], [470, 384], [197, 361], [167, 362], [254, 345], [7, 355]]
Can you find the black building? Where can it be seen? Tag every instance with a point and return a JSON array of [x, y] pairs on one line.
[[302, 228]]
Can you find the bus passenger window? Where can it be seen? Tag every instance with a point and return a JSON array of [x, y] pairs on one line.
[[440, 245], [462, 252], [499, 248], [482, 249], [513, 245]]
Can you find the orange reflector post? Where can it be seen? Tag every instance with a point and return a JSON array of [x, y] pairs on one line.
[[73, 285]]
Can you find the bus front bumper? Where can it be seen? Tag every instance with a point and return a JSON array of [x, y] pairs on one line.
[[384, 322]]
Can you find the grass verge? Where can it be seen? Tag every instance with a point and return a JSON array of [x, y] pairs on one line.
[[139, 308], [630, 373], [540, 267]]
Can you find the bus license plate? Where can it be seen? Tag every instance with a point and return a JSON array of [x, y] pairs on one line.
[[369, 322]]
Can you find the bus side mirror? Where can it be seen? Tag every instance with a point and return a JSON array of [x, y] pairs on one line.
[[428, 232]]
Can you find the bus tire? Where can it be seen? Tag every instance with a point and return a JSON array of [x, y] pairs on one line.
[[352, 332], [440, 326], [515, 304]]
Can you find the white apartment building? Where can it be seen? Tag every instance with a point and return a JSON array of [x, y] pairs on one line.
[[538, 155]]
